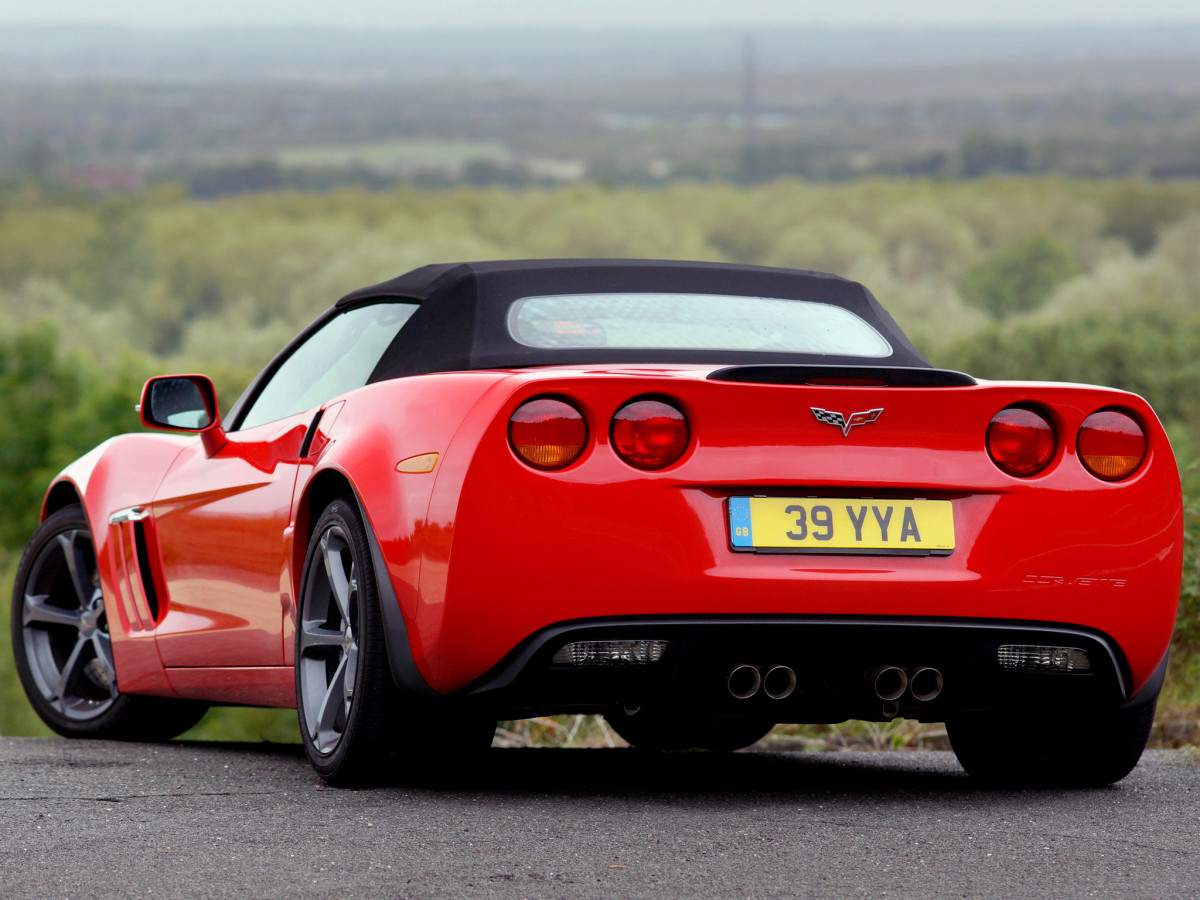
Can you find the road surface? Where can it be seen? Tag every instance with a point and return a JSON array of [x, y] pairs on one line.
[[99, 819]]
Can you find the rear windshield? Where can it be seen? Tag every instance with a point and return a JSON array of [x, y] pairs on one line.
[[692, 321]]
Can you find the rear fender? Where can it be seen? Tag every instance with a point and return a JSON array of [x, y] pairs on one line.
[[375, 430]]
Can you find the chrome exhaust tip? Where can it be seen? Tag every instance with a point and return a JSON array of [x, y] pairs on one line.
[[744, 681], [925, 683], [779, 683], [888, 682]]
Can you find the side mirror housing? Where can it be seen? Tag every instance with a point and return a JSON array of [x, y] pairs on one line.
[[183, 403]]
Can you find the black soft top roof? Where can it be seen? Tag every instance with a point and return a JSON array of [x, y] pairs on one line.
[[462, 320]]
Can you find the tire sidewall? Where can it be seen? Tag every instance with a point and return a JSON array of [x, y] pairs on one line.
[[347, 758], [66, 519]]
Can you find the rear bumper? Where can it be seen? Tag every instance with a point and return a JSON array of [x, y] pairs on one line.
[[833, 659]]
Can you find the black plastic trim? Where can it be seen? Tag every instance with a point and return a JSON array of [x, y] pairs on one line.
[[306, 444], [802, 375], [1149, 693], [147, 574], [830, 654], [407, 677]]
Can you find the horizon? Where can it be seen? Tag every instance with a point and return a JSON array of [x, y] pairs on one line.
[[152, 15]]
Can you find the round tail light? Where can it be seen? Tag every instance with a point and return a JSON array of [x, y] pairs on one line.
[[1111, 444], [649, 434], [547, 433], [1021, 442]]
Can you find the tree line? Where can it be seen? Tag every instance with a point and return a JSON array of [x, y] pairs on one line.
[[1003, 277]]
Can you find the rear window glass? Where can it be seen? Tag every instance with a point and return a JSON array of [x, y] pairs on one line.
[[692, 321]]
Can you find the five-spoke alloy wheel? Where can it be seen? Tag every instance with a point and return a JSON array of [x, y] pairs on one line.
[[64, 630], [327, 658], [357, 726], [63, 647], [349, 709]]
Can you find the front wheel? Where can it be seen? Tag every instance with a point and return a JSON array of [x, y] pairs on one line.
[[355, 724], [1052, 751], [62, 645]]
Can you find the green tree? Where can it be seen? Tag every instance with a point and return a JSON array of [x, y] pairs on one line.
[[1137, 213], [1019, 277], [984, 152], [116, 262], [54, 409]]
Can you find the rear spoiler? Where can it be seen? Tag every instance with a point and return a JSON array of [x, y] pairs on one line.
[[862, 376]]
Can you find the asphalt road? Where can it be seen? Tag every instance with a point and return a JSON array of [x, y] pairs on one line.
[[99, 819]]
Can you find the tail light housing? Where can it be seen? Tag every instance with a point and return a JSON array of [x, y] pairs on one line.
[[547, 433], [650, 434], [1111, 444], [1021, 441]]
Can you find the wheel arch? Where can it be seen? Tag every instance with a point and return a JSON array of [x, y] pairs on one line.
[[62, 493], [322, 489]]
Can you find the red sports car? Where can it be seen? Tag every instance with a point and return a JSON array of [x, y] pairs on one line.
[[700, 499]]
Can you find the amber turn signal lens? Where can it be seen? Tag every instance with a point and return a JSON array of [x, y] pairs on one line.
[[649, 434], [547, 433], [1020, 441], [1111, 444]]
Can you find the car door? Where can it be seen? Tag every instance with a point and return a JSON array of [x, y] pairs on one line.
[[223, 521]]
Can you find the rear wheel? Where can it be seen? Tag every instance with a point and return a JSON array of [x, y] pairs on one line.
[[647, 731], [355, 724], [62, 645], [1052, 751]]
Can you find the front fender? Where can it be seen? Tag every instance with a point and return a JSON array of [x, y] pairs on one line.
[[123, 472]]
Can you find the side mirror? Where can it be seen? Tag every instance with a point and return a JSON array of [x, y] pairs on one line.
[[183, 403]]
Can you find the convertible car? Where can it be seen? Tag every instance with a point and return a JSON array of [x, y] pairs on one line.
[[698, 499]]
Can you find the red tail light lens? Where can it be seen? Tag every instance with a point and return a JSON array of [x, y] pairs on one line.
[[650, 434], [1021, 442], [1111, 444], [547, 433]]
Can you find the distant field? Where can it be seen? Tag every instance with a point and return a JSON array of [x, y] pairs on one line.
[[399, 157]]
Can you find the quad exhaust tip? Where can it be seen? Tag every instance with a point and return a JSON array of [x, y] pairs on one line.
[[922, 683], [778, 683], [888, 682], [925, 683], [744, 681]]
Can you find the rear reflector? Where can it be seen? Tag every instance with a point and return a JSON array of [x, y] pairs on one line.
[[610, 653], [547, 433], [1035, 658], [1111, 444], [649, 434], [1020, 441]]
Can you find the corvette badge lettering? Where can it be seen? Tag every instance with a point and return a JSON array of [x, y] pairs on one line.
[[846, 422]]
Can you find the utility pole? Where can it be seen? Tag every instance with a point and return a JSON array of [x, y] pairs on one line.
[[749, 105]]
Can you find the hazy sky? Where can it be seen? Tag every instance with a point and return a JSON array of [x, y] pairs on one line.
[[558, 13]]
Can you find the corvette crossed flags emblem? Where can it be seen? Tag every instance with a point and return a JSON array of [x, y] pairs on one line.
[[846, 422]]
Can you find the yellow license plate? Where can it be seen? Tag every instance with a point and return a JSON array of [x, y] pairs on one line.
[[841, 525]]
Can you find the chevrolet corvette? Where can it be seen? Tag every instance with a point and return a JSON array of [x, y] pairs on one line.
[[698, 499]]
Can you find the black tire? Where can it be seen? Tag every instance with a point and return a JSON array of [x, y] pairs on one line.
[[62, 648], [1052, 751], [647, 731], [355, 724]]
